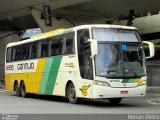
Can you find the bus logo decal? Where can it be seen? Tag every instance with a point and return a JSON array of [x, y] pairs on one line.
[[69, 65], [84, 90]]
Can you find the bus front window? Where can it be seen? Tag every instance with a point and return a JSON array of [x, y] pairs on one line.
[[119, 53], [112, 61], [109, 60]]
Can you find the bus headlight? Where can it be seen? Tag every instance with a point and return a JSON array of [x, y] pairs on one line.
[[101, 83], [142, 82]]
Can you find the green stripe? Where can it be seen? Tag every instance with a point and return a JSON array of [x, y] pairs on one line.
[[53, 75], [45, 76], [125, 80]]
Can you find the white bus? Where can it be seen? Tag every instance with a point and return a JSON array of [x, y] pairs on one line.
[[88, 61]]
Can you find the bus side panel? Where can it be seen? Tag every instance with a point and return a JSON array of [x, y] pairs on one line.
[[9, 82], [49, 75], [34, 78], [11, 78], [66, 72]]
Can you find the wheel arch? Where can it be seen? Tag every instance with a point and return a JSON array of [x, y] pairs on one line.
[[67, 84]]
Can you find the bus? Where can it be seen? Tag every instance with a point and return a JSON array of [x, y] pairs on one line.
[[83, 62]]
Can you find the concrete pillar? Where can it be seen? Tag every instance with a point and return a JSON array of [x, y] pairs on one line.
[[56, 24]]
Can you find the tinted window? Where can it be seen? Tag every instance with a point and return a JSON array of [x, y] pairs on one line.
[[13, 54], [33, 50], [25, 52], [61, 45], [44, 48], [55, 46], [58, 45], [8, 55], [68, 43]]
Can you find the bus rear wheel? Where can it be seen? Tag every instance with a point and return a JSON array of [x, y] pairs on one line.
[[23, 90], [71, 94], [115, 101], [17, 89]]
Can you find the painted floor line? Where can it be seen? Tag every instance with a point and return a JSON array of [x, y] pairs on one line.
[[155, 101]]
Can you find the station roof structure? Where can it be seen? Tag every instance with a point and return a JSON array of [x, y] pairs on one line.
[[16, 13]]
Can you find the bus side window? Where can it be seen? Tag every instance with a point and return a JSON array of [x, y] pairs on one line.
[[13, 54], [8, 57], [18, 53], [25, 52], [68, 44], [63, 43], [33, 50], [55, 46], [54, 49], [44, 48]]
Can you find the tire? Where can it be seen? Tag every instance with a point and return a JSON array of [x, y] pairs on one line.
[[115, 101], [71, 94], [23, 90], [17, 89]]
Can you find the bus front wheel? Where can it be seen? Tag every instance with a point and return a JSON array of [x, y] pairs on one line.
[[115, 101], [71, 94]]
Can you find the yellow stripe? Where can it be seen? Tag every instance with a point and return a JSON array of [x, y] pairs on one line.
[[35, 78], [49, 34], [31, 80], [137, 80]]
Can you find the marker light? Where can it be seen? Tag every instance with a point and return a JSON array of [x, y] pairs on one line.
[[101, 83]]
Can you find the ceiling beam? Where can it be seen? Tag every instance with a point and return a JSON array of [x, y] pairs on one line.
[[64, 3]]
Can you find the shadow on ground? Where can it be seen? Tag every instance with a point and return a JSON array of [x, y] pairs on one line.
[[85, 102]]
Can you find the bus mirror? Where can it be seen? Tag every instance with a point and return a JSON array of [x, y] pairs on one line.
[[149, 49], [94, 47]]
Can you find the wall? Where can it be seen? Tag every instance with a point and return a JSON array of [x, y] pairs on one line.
[[3, 43], [153, 75]]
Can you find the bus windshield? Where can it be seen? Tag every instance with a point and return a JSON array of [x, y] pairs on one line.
[[120, 59]]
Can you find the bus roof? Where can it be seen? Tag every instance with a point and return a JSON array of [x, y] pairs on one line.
[[42, 36], [105, 26], [63, 31]]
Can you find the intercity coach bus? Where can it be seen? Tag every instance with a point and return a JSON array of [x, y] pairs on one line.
[[84, 62]]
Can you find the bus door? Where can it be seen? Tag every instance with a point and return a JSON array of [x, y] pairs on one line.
[[85, 63]]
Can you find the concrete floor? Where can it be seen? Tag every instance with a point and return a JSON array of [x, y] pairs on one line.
[[9, 103]]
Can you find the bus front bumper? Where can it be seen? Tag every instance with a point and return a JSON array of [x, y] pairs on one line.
[[109, 92]]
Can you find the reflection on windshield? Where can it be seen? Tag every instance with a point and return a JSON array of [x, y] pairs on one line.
[[108, 60], [114, 61], [133, 60]]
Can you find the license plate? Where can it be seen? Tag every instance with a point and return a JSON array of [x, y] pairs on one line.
[[124, 92]]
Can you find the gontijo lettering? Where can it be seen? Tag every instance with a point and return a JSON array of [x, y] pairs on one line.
[[25, 66]]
